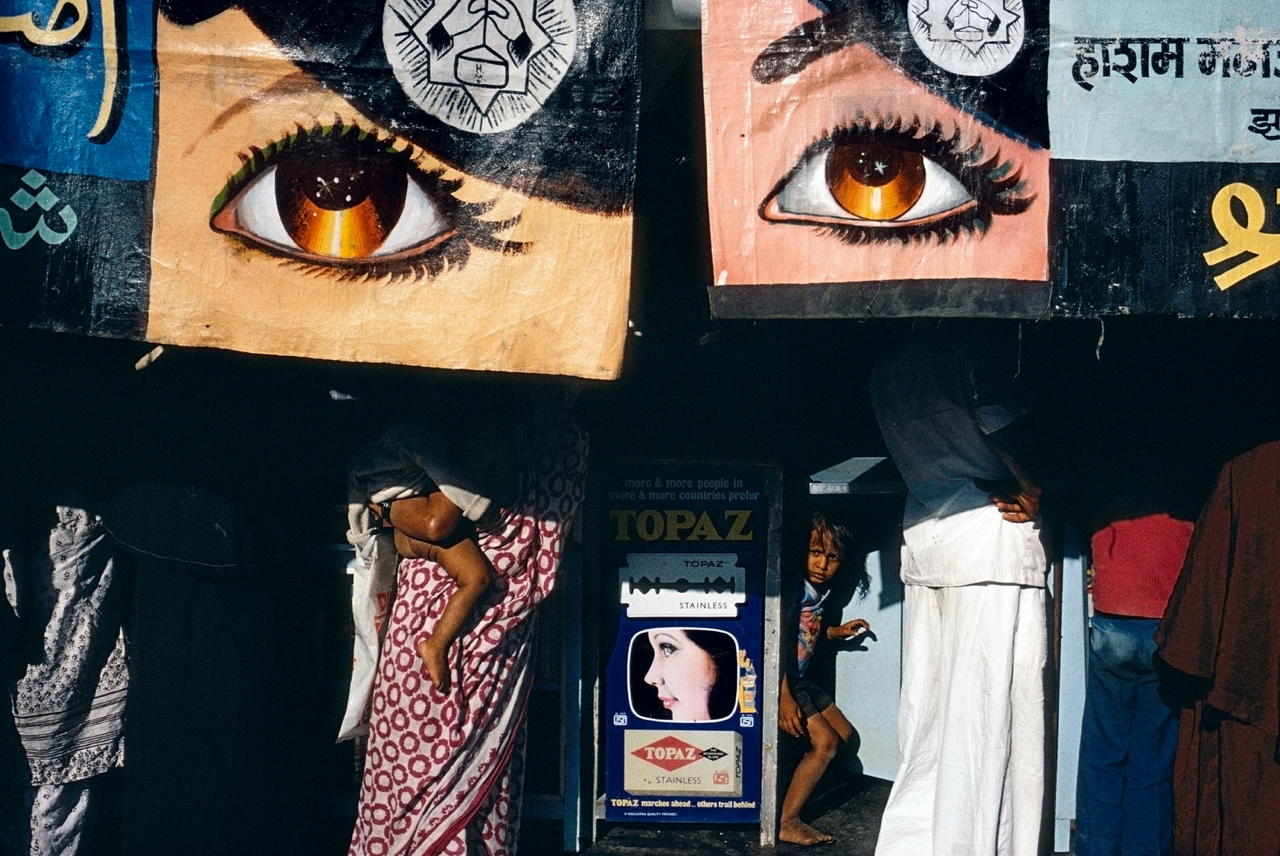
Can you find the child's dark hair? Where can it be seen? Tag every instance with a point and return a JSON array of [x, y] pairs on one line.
[[837, 533], [842, 539]]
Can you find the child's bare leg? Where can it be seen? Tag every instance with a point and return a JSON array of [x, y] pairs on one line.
[[824, 742], [836, 719]]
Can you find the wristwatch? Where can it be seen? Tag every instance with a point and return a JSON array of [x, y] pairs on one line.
[[384, 513]]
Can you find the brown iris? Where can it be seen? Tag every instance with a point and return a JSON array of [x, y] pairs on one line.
[[874, 181], [341, 207]]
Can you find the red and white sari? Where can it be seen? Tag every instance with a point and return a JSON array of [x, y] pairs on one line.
[[443, 773]]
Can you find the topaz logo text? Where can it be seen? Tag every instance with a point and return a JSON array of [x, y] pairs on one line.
[[672, 753]]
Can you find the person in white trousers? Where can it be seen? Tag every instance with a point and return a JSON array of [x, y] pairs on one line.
[[971, 721]]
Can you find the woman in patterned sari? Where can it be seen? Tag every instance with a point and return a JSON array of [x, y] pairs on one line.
[[443, 771]]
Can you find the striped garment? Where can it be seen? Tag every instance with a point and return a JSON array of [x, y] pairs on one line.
[[68, 707]]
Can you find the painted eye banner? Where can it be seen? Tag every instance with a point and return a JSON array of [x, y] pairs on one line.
[[892, 157], [442, 183], [1166, 129], [877, 157]]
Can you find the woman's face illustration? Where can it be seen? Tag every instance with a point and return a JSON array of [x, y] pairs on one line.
[[682, 673]]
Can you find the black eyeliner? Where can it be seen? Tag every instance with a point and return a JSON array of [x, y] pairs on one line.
[[995, 185], [452, 253]]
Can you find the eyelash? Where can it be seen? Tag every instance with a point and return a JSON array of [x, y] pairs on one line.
[[666, 648], [995, 186], [452, 253]]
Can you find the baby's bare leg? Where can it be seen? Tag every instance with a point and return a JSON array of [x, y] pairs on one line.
[[470, 568]]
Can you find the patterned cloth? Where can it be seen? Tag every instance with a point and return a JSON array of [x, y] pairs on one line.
[[69, 705], [810, 625], [59, 820], [443, 773]]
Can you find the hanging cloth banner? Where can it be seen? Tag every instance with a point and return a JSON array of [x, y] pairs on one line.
[[891, 157], [443, 184], [877, 157]]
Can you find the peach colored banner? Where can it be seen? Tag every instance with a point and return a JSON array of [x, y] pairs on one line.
[[463, 273], [847, 170]]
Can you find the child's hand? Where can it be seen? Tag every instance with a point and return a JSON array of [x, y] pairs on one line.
[[850, 629], [435, 658], [790, 719]]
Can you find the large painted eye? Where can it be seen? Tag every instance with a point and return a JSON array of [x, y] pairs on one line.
[[344, 212], [872, 182], [339, 198], [892, 182]]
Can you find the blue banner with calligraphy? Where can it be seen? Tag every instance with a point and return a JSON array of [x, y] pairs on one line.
[[78, 89], [1162, 81], [78, 95]]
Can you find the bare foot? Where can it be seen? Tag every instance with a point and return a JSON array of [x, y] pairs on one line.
[[797, 831]]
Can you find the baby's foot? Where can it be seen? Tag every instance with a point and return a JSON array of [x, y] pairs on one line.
[[798, 832]]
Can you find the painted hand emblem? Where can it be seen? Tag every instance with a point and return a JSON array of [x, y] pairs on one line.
[[480, 65]]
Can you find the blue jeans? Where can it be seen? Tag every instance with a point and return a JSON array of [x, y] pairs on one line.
[[1124, 798]]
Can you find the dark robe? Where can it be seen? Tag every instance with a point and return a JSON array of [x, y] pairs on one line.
[[1222, 627]]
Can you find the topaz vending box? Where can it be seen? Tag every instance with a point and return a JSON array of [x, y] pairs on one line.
[[688, 545]]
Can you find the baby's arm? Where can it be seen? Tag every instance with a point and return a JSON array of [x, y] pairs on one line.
[[849, 630]]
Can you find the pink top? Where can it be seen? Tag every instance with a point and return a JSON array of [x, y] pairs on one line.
[[1136, 563]]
